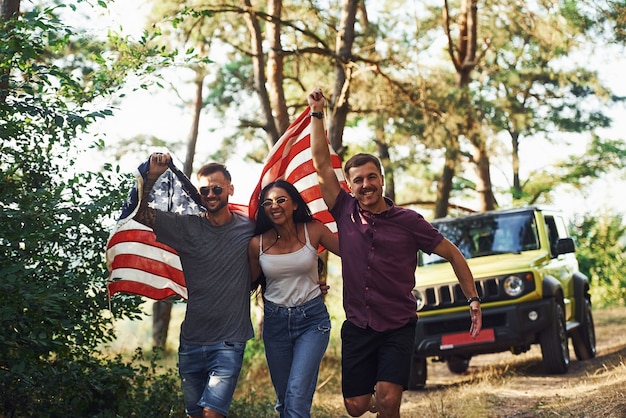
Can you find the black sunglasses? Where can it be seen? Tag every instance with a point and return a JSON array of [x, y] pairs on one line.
[[217, 190]]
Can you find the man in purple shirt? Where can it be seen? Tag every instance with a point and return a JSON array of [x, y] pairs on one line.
[[379, 243]]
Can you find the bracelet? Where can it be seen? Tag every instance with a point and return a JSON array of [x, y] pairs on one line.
[[474, 299], [319, 115]]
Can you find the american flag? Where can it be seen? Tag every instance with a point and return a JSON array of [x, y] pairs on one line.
[[140, 265], [290, 159]]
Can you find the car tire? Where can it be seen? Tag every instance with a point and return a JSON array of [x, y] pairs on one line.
[[554, 343], [457, 364], [584, 337]]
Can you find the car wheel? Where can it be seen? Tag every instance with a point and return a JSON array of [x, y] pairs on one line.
[[457, 364], [554, 344], [584, 337], [417, 376]]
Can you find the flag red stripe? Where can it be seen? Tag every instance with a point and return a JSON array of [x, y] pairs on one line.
[[148, 265], [300, 171], [303, 144], [141, 289], [277, 161], [138, 235], [311, 194], [294, 147]]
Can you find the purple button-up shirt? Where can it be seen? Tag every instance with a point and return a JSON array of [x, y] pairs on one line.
[[379, 258]]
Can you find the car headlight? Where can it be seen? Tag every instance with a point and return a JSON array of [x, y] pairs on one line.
[[421, 300], [513, 286]]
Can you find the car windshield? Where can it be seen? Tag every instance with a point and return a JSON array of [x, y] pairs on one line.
[[483, 235]]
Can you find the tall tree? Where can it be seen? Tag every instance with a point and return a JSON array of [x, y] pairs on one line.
[[344, 64], [521, 38], [528, 91], [276, 67], [465, 55]]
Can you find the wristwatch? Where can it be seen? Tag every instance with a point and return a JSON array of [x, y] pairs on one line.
[[474, 299], [319, 115]]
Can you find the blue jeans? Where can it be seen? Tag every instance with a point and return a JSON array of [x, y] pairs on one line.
[[295, 341], [209, 375]]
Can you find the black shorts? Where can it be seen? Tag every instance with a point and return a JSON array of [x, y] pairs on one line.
[[369, 356]]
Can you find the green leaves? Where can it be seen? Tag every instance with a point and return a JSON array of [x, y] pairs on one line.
[[602, 256], [54, 308]]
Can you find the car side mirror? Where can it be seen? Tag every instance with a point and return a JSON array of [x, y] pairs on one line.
[[565, 246]]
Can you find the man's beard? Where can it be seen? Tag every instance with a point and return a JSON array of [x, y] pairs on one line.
[[221, 204]]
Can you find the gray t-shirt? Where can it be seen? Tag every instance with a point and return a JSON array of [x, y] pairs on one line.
[[217, 275]]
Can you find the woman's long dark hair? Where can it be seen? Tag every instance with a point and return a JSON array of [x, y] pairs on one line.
[[263, 223], [301, 215]]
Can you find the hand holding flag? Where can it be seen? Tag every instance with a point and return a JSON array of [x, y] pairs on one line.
[[137, 262]]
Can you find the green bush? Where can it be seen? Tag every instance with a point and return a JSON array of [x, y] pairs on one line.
[[602, 257], [55, 220]]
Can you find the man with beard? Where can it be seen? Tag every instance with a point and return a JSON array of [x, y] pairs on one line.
[[379, 242], [213, 250]]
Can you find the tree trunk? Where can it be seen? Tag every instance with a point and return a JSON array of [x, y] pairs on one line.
[[444, 186], [161, 314], [192, 140], [341, 92], [383, 152], [483, 186], [8, 10], [517, 186], [275, 73], [260, 80], [465, 60], [390, 182]]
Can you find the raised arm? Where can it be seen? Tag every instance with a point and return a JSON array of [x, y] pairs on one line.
[[158, 166], [450, 252], [329, 183]]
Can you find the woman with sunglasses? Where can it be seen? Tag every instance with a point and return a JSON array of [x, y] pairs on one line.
[[296, 329]]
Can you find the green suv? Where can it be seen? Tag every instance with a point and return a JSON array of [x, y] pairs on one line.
[[527, 277]]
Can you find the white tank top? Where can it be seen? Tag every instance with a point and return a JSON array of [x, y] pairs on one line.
[[292, 277]]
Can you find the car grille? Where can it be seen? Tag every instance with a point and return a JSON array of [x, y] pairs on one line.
[[450, 295]]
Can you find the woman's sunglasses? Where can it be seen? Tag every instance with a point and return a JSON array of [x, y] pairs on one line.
[[269, 202], [217, 190]]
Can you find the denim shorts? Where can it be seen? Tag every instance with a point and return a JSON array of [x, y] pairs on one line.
[[369, 356], [209, 375]]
